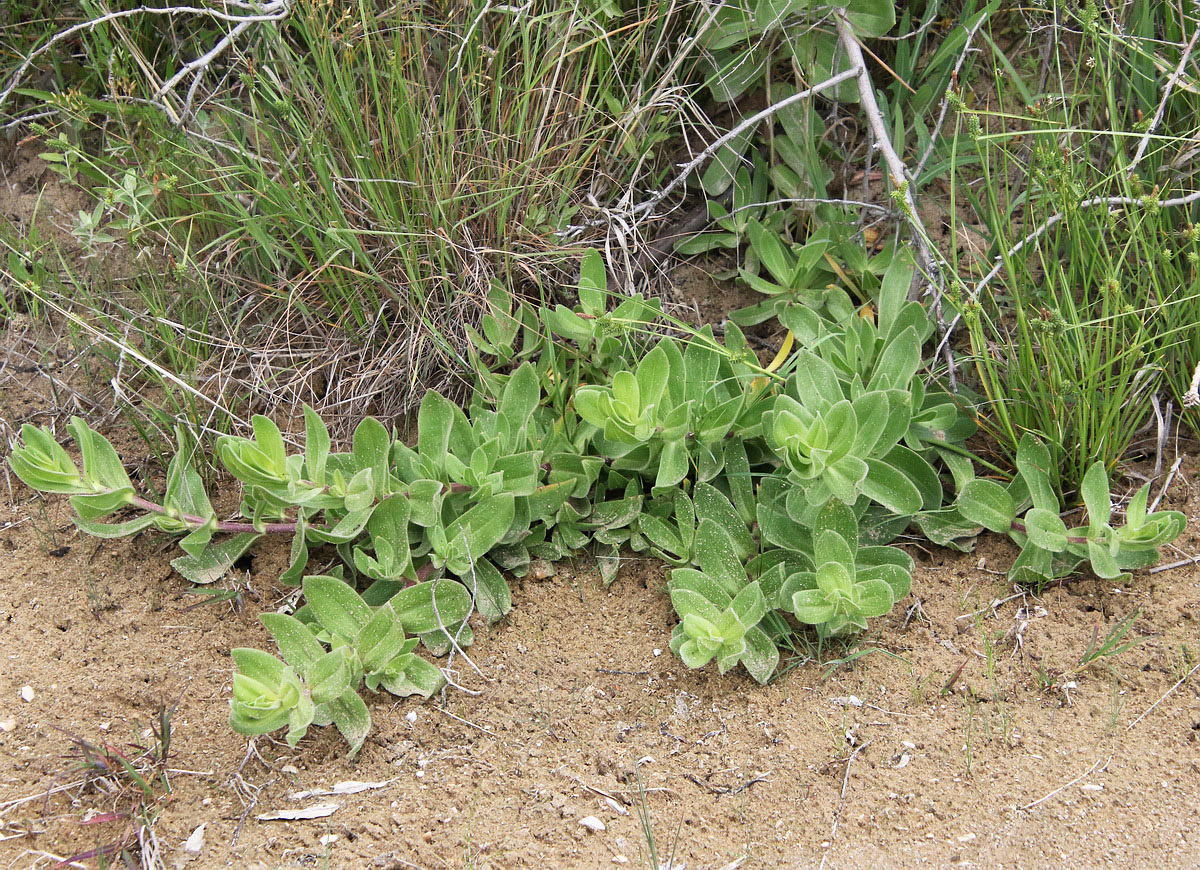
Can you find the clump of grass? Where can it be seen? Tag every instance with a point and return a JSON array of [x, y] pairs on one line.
[[1090, 318], [1114, 642], [361, 177]]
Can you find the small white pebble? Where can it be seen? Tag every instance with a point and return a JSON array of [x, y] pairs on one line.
[[847, 701], [657, 653], [592, 823], [620, 859], [411, 716], [329, 839], [27, 693], [1091, 786], [966, 838], [8, 724], [289, 768], [195, 843]]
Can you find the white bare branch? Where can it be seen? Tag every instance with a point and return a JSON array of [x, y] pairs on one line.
[[1162, 104], [900, 176], [746, 124], [275, 10]]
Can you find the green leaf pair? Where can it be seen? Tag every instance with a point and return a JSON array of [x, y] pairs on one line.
[[1048, 548]]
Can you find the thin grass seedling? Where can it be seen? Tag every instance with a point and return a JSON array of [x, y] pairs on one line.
[[134, 780], [1103, 650], [832, 666], [647, 824]]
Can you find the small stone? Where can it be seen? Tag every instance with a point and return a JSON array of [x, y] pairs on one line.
[[194, 844], [328, 839], [289, 768], [966, 838], [592, 823], [657, 653], [27, 693], [8, 724], [411, 716]]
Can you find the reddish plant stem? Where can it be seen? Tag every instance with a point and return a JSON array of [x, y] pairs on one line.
[[221, 525], [234, 527]]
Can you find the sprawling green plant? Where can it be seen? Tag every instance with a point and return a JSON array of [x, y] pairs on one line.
[[1048, 548], [775, 491]]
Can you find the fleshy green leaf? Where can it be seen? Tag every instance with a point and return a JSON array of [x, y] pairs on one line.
[[712, 504], [987, 503], [430, 606], [337, 607], [493, 599], [1046, 530], [1095, 494], [316, 446], [717, 556], [352, 718], [216, 559], [295, 640], [328, 677], [672, 464], [43, 464], [380, 640], [593, 283], [891, 487]]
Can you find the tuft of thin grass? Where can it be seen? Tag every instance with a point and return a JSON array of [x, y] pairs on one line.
[[127, 785], [357, 181], [1092, 313]]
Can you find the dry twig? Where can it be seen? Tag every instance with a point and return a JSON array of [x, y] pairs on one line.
[[899, 172], [1166, 695], [1162, 104], [837, 818], [1099, 765]]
